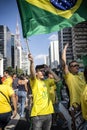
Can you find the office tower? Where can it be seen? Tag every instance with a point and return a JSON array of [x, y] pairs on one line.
[[18, 48], [77, 39], [25, 62], [12, 50], [65, 36], [54, 54], [5, 45]]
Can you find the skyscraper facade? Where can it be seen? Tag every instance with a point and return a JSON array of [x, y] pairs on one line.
[[77, 39], [54, 54], [18, 48], [5, 45]]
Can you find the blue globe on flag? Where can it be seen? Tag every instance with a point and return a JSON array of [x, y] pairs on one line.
[[63, 4]]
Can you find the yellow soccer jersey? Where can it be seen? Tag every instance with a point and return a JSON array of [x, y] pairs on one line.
[[8, 81], [75, 85], [84, 103], [42, 104], [52, 89], [4, 105]]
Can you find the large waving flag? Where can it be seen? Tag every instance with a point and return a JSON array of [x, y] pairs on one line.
[[46, 16], [84, 58]]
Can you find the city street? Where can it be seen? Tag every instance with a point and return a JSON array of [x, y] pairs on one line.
[[21, 124]]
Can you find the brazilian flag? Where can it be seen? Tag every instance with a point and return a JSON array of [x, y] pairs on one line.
[[84, 58], [46, 16]]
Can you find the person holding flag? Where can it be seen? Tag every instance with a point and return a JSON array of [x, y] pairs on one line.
[[42, 109]]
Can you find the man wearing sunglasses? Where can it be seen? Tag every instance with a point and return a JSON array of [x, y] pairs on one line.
[[74, 79]]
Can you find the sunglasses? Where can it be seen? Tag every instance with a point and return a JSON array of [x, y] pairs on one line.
[[74, 65]]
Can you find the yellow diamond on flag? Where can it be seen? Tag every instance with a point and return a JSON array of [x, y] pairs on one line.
[[47, 6]]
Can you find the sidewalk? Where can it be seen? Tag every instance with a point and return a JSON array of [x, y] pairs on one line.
[[13, 122]]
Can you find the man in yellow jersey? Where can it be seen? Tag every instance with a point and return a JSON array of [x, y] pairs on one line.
[[8, 80], [75, 82], [6, 92], [74, 79], [84, 97], [42, 109]]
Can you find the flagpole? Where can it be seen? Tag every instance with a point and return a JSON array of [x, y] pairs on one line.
[[27, 46]]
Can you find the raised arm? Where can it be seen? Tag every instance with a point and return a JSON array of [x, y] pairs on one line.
[[64, 65], [32, 68], [56, 77]]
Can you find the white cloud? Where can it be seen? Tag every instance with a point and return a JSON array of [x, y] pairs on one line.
[[38, 57], [53, 37]]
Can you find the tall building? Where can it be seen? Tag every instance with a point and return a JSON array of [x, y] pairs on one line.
[[65, 36], [5, 45], [77, 39], [1, 65], [54, 54], [12, 50], [46, 60], [25, 62], [18, 48]]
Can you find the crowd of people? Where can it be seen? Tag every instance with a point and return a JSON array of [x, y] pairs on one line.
[[41, 93], [13, 97]]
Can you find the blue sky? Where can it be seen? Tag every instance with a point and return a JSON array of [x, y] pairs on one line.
[[38, 44]]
